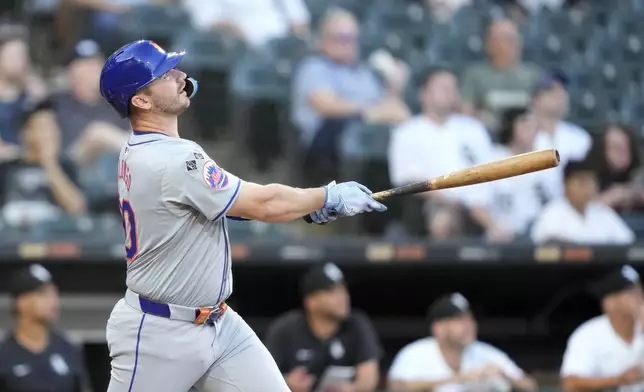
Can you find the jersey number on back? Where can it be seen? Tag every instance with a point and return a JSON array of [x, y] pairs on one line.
[[129, 226]]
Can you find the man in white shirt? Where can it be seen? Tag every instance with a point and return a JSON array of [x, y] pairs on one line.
[[550, 105], [517, 201], [576, 218], [453, 360], [607, 352], [256, 21], [437, 142]]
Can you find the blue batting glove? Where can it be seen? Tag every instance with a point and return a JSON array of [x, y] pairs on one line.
[[323, 216], [350, 198]]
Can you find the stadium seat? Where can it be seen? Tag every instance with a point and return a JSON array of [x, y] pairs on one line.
[[362, 141], [258, 76], [288, 49], [208, 50], [244, 230], [99, 184], [156, 22], [398, 28]]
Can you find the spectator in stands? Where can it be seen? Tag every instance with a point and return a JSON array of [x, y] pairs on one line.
[[576, 218], [88, 127], [617, 156], [330, 90], [327, 345], [606, 352], [502, 83], [439, 141], [40, 185], [256, 22], [550, 106], [19, 90], [453, 359], [517, 201], [35, 357]]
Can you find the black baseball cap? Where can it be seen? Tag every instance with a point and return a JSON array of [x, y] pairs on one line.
[[29, 280], [549, 79], [577, 166], [321, 278], [447, 307], [85, 49], [622, 279]]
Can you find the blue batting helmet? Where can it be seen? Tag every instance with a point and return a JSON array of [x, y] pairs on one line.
[[133, 67]]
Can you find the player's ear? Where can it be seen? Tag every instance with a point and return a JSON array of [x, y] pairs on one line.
[[141, 101]]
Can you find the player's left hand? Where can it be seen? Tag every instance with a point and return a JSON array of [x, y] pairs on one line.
[[323, 216], [350, 198]]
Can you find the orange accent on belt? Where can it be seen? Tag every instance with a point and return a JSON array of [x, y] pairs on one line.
[[204, 313]]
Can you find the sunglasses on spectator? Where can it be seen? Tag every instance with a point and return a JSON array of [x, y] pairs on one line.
[[344, 37]]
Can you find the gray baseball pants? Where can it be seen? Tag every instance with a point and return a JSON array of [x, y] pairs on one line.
[[156, 354]]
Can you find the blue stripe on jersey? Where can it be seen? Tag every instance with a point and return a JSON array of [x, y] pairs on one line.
[[136, 353], [224, 275], [136, 144], [230, 202], [139, 133]]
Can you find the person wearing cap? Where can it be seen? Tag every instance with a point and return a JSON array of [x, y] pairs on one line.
[[35, 357], [453, 359], [87, 126], [607, 351], [577, 218], [326, 347], [550, 102]]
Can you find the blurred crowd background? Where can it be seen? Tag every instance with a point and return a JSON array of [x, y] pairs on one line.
[[303, 92]]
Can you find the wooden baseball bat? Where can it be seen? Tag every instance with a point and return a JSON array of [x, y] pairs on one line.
[[496, 170]]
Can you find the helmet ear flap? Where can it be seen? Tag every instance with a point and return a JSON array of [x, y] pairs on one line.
[[191, 87]]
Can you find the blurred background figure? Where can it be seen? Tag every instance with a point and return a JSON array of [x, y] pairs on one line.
[[453, 359], [455, 142], [333, 88], [40, 185], [605, 352], [550, 103], [327, 346], [577, 218], [616, 154], [87, 125], [501, 83], [255, 21], [20, 89], [517, 201], [35, 357]]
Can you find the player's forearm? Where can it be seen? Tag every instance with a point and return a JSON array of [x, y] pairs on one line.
[[333, 107], [67, 195], [590, 383], [284, 203]]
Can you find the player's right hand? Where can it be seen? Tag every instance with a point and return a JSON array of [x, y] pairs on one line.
[[350, 198]]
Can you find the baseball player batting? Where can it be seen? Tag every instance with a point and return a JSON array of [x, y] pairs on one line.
[[173, 330]]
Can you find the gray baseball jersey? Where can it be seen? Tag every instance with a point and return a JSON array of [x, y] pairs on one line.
[[173, 201]]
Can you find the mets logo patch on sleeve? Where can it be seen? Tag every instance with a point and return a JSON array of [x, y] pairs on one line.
[[214, 176]]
